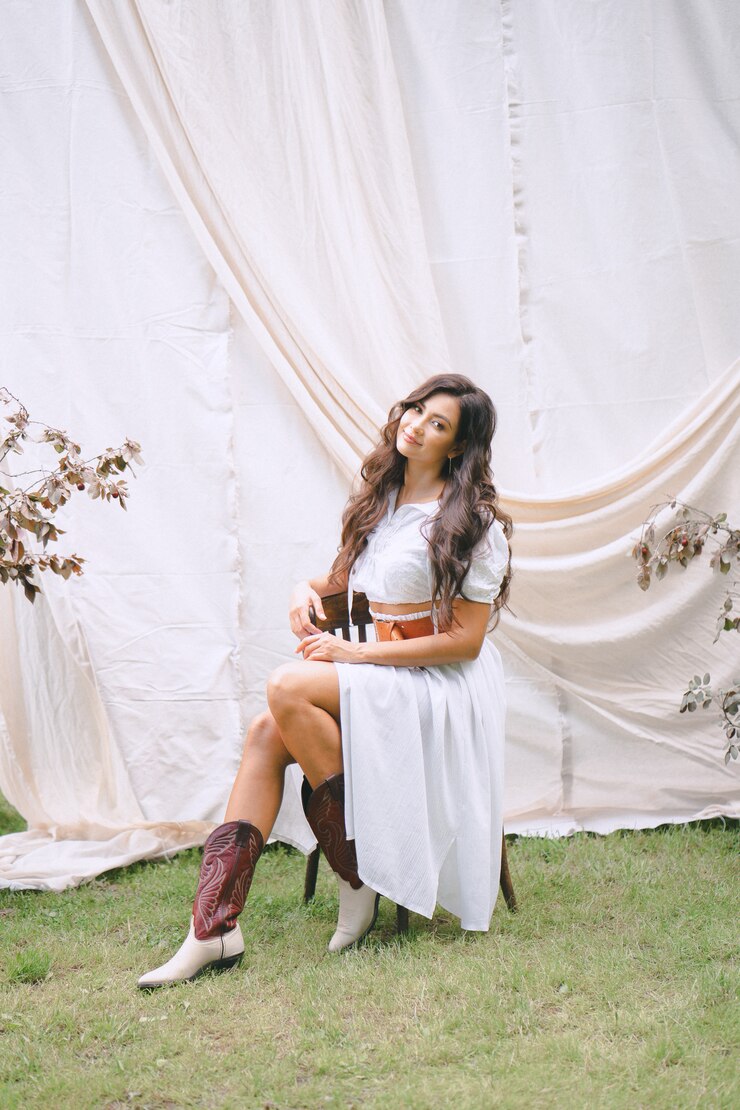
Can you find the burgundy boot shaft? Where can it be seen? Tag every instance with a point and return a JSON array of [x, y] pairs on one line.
[[324, 809], [229, 857]]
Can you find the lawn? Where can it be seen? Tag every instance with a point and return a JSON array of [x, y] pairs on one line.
[[614, 986]]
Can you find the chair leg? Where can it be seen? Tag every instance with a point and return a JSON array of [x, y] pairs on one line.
[[507, 887], [312, 870], [402, 914]]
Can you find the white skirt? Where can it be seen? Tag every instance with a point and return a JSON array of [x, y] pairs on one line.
[[423, 751]]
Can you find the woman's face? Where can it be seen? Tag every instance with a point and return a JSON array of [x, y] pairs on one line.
[[427, 430]]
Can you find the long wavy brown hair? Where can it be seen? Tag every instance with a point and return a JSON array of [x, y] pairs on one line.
[[468, 502]]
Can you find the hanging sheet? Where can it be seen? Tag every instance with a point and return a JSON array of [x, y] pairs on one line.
[[221, 256]]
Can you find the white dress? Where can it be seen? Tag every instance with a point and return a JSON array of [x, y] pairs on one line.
[[423, 747]]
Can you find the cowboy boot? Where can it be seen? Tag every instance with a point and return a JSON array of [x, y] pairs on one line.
[[214, 939], [358, 904]]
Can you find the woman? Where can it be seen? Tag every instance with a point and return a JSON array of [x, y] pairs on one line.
[[400, 740]]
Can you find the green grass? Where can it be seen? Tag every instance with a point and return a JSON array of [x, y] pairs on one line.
[[614, 986]]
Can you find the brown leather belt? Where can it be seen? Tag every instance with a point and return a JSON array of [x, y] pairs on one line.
[[403, 630]]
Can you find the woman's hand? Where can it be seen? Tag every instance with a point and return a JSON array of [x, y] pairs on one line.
[[327, 648], [302, 597]]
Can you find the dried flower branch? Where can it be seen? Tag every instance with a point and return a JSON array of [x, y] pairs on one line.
[[27, 513], [683, 542]]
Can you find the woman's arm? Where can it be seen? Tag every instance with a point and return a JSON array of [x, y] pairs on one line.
[[463, 641], [307, 593], [324, 587]]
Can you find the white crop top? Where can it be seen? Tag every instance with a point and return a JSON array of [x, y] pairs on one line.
[[394, 568]]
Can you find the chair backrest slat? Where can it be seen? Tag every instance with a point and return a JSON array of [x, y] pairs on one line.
[[337, 615]]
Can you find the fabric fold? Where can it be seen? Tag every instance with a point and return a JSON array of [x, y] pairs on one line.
[[69, 782], [274, 220]]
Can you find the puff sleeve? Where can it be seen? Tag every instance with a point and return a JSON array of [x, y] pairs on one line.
[[488, 566]]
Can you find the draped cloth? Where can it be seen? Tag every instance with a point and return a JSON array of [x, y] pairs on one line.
[[346, 198], [290, 80], [70, 784]]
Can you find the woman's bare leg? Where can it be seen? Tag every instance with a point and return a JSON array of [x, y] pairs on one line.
[[258, 787], [300, 726], [304, 702]]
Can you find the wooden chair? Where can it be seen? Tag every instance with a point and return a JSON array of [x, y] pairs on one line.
[[337, 621]]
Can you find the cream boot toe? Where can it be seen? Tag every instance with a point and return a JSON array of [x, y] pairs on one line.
[[196, 956], [358, 910]]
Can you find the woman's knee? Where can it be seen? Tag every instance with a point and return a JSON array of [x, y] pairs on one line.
[[263, 739], [285, 686]]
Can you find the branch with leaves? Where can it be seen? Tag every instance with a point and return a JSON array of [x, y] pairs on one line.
[[681, 544], [27, 512]]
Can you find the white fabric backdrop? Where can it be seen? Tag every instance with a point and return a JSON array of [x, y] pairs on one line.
[[574, 209]]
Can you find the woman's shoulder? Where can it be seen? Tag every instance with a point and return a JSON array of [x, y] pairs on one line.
[[489, 561], [495, 529], [494, 543]]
